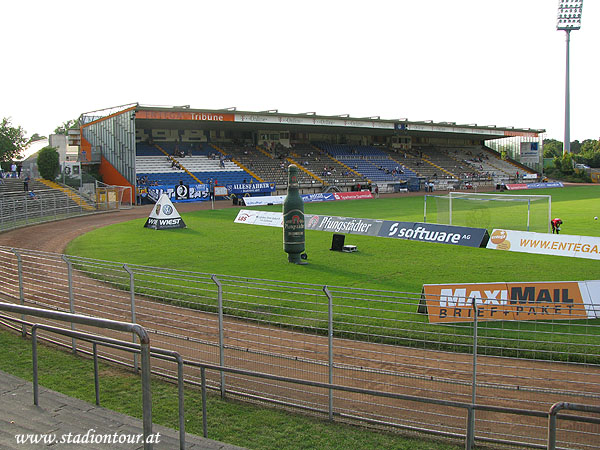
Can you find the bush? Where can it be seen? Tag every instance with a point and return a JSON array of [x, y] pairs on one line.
[[48, 163], [579, 176]]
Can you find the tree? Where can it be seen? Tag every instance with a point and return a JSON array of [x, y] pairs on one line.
[[48, 163], [12, 140], [66, 126], [36, 137], [552, 148], [564, 163], [590, 153], [590, 146]]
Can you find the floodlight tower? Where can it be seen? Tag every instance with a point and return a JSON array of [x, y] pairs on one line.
[[569, 18]]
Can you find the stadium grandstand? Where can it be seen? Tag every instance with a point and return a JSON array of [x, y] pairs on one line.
[[152, 148]]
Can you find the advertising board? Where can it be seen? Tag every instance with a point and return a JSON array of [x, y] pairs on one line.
[[545, 244], [566, 300], [430, 232], [414, 231], [180, 193], [250, 188]]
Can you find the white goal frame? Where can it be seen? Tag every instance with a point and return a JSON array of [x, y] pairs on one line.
[[499, 197]]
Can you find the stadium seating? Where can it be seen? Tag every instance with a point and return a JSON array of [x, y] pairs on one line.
[[372, 163], [321, 164], [205, 162]]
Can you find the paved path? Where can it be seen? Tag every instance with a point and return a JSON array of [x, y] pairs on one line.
[[60, 415]]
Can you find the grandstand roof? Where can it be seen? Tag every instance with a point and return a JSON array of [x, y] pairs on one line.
[[183, 117]]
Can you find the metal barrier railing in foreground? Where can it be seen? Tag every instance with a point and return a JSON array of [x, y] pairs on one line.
[[107, 324]]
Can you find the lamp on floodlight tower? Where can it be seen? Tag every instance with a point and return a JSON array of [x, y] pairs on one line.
[[569, 18]]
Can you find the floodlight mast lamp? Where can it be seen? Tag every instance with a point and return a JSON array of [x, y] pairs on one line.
[[569, 18]]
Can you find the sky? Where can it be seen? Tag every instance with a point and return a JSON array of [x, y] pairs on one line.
[[489, 62]]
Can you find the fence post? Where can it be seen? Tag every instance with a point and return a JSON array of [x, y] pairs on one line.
[[71, 300], [221, 334], [471, 411], [21, 289], [330, 344], [35, 365], [132, 300], [204, 419], [146, 391], [96, 376]]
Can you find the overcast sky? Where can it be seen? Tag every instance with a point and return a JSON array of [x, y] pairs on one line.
[[490, 62]]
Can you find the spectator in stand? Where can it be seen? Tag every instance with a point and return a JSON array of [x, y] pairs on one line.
[[26, 183], [556, 223]]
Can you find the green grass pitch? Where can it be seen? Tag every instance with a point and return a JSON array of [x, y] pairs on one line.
[[213, 243]]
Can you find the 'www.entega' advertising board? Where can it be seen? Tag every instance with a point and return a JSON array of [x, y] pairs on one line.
[[546, 244], [562, 300]]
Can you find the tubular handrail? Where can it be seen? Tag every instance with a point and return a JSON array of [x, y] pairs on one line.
[[119, 345], [109, 324], [470, 407], [553, 413]]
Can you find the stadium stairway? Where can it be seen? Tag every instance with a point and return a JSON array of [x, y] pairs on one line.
[[179, 163], [305, 170], [263, 151], [350, 169], [59, 415], [425, 158], [72, 194], [239, 163]]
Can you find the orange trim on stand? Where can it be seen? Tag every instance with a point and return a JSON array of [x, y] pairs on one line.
[[112, 176], [108, 117], [86, 147]]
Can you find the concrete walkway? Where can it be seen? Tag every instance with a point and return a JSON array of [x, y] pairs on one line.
[[70, 418]]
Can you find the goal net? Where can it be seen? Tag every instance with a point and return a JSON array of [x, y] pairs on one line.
[[113, 197], [512, 212]]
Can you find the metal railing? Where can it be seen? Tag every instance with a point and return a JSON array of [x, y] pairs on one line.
[[104, 324], [165, 354], [21, 209], [339, 335]]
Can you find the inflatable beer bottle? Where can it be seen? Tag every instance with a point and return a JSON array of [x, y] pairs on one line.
[[293, 219]]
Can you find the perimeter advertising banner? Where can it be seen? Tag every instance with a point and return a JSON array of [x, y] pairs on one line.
[[347, 225], [414, 231], [431, 232], [360, 195], [180, 193], [307, 198], [251, 188], [545, 244], [264, 200], [521, 186], [265, 218], [557, 300]]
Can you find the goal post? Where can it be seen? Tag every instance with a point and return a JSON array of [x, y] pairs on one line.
[[113, 197], [509, 211]]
